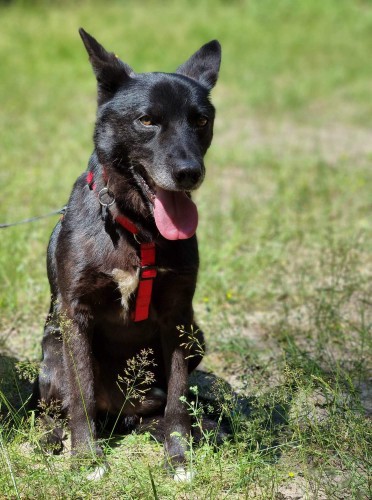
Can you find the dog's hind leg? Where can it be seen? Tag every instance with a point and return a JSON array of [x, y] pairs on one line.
[[51, 372], [48, 391]]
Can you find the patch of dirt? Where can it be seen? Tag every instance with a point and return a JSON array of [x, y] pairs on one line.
[[331, 142], [22, 338], [297, 489], [15, 390]]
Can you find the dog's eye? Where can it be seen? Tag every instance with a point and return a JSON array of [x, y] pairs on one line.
[[202, 121], [146, 121]]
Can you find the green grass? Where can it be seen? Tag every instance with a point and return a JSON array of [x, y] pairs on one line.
[[285, 234]]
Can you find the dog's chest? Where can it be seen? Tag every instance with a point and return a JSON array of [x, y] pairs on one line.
[[127, 284]]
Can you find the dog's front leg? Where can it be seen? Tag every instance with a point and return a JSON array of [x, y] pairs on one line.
[[176, 417], [78, 369]]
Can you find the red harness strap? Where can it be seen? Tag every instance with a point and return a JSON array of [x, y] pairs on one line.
[[147, 270], [147, 274], [126, 224]]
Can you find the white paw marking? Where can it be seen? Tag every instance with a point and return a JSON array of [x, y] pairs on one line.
[[183, 475], [98, 472]]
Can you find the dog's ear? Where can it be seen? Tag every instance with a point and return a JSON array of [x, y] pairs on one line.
[[110, 71], [203, 66]]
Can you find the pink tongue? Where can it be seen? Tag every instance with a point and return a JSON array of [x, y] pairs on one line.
[[176, 216]]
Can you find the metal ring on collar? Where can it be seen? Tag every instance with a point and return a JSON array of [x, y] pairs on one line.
[[105, 191], [137, 239]]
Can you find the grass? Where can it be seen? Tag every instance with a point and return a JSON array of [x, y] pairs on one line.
[[285, 238]]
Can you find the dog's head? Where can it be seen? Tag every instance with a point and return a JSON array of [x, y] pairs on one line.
[[158, 127]]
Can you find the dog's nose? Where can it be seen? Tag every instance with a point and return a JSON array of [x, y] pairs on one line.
[[187, 174]]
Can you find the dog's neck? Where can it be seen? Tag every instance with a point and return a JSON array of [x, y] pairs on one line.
[[129, 200]]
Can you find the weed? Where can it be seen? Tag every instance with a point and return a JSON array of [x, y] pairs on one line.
[[192, 343], [137, 378]]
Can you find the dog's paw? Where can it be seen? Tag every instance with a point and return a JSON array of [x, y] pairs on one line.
[[98, 472], [183, 475]]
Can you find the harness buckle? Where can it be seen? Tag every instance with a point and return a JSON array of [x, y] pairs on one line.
[[148, 272]]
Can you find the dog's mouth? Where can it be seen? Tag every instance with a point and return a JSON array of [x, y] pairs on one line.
[[175, 214]]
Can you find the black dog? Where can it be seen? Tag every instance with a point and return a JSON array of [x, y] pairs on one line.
[[123, 262]]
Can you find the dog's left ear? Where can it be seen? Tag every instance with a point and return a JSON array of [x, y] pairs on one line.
[[204, 65], [110, 71]]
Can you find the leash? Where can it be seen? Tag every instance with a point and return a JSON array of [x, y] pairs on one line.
[[147, 270], [61, 211]]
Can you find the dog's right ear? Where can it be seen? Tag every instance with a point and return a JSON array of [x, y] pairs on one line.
[[110, 71]]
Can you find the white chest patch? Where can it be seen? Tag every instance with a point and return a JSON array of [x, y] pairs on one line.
[[127, 284]]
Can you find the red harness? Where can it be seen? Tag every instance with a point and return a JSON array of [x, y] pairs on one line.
[[148, 270]]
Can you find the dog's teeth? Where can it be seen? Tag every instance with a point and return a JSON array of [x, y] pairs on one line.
[[98, 472], [183, 475]]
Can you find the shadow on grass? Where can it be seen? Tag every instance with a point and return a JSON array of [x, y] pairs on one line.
[[15, 390], [217, 414], [215, 403]]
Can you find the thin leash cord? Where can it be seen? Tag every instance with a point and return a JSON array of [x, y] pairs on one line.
[[61, 211]]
